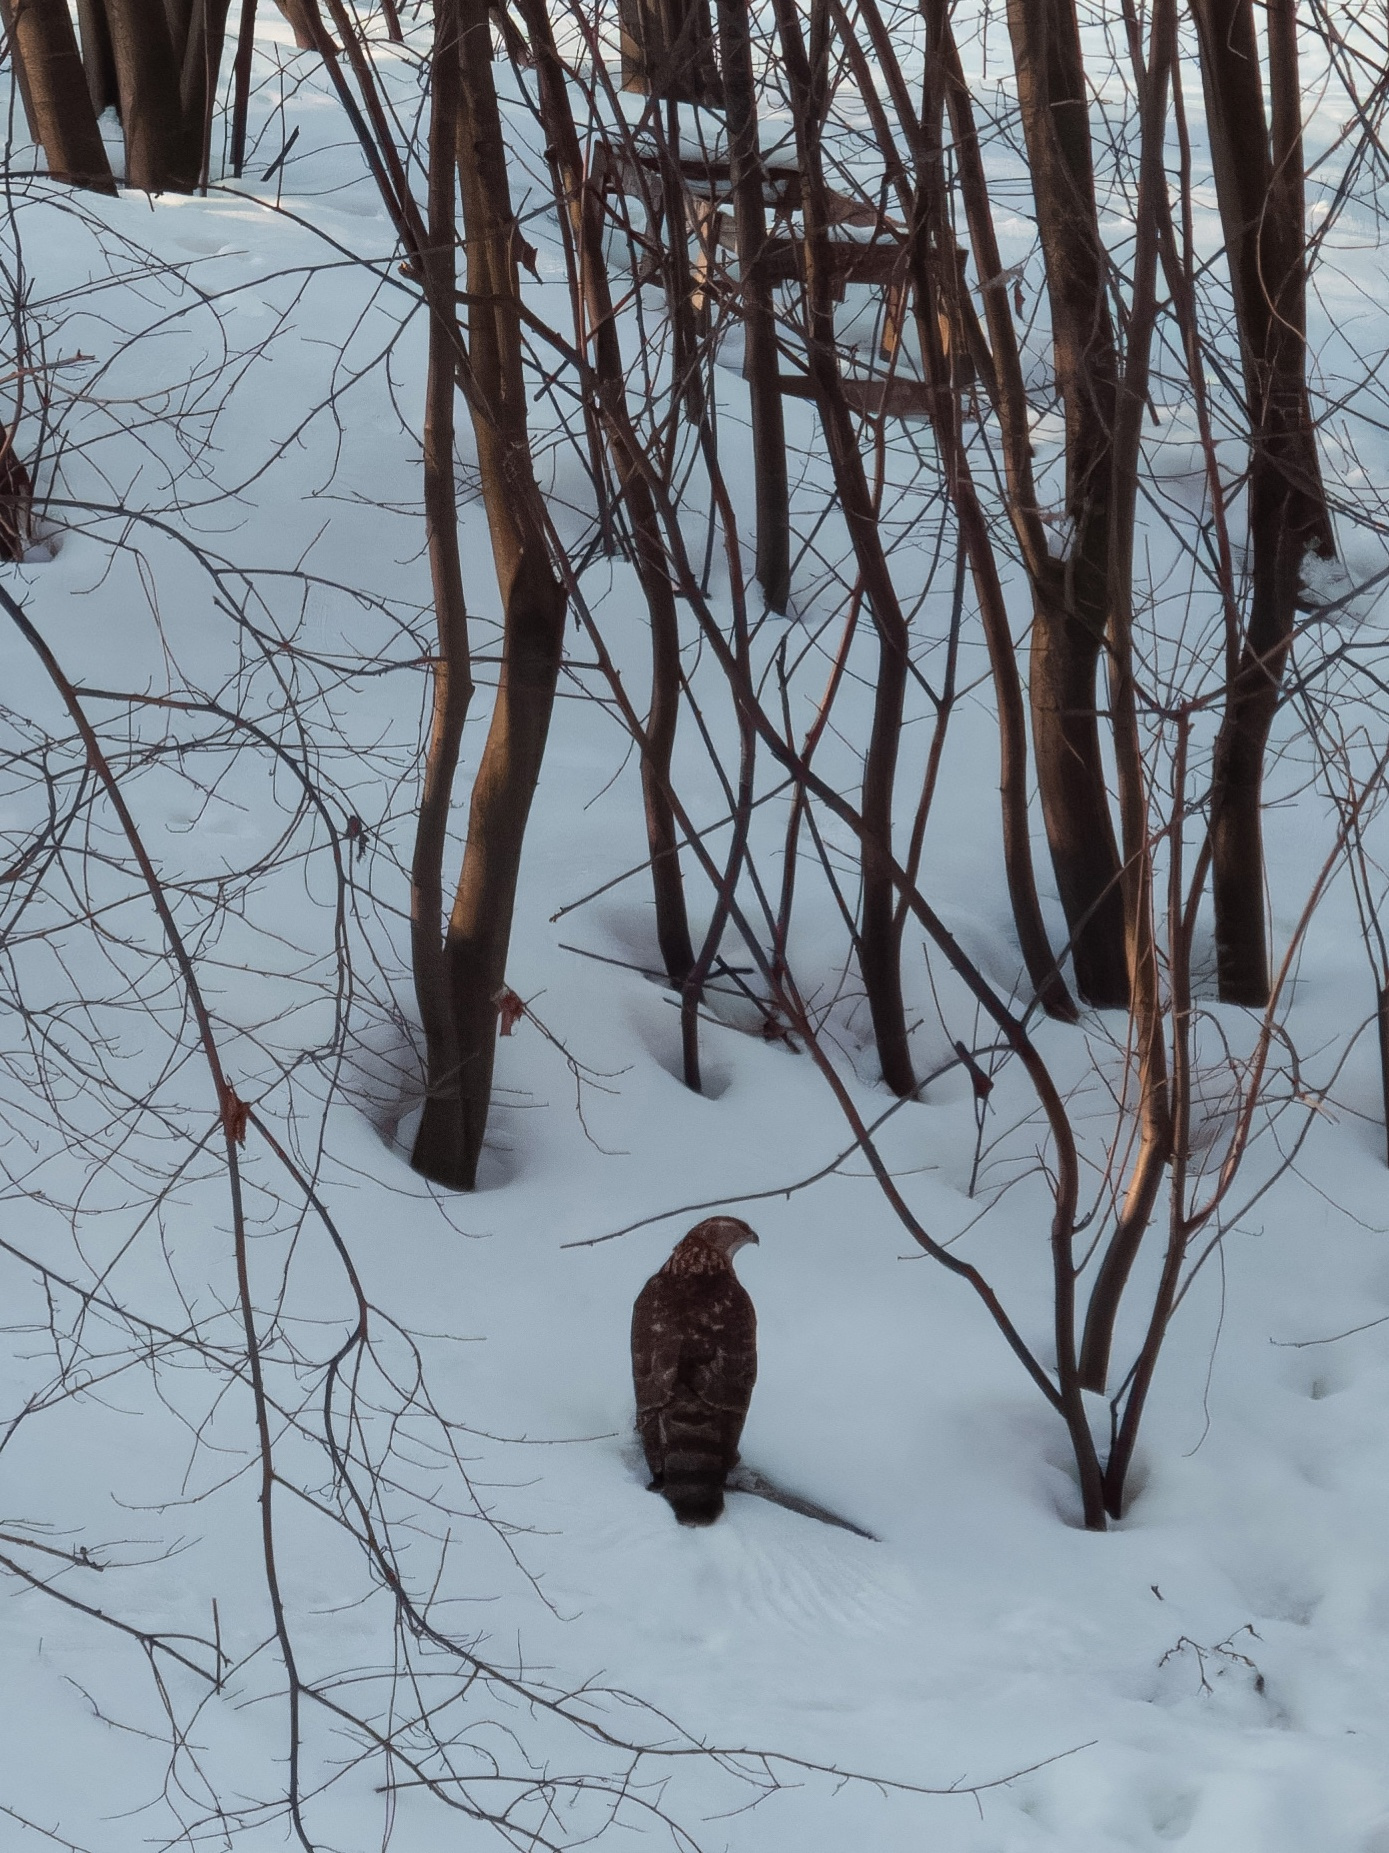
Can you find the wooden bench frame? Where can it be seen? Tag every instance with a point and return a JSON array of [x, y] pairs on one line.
[[878, 263]]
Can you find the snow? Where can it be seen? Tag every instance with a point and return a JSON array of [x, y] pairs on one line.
[[235, 519]]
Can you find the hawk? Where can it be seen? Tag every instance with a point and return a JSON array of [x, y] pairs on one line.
[[694, 1362]]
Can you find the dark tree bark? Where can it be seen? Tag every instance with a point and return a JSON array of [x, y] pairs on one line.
[[935, 270], [203, 37], [879, 933], [445, 1155], [53, 87], [533, 608], [157, 61], [1154, 1146], [163, 148], [179, 14], [1064, 651], [761, 366], [378, 133], [667, 882], [98, 60], [463, 980], [1071, 593], [936, 277], [688, 350], [241, 84], [582, 201], [1259, 185], [668, 50]]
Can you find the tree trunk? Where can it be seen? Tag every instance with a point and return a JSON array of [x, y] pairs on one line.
[[1148, 1029], [179, 14], [1062, 667], [581, 199], [1259, 186], [163, 151], [668, 50], [1071, 592], [667, 882], [53, 86], [439, 1151], [241, 84], [761, 365], [201, 63], [98, 60], [937, 284], [935, 278], [533, 609], [296, 13], [879, 935]]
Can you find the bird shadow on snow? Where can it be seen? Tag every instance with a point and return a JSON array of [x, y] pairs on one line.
[[754, 1484], [750, 1480]]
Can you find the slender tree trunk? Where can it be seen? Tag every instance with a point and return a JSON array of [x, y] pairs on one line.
[[241, 84], [202, 61], [1154, 1147], [668, 50], [53, 86], [935, 273], [761, 365], [1180, 924], [389, 168], [1064, 652], [470, 971], [439, 1150], [935, 280], [668, 887], [879, 935], [533, 608], [1070, 620], [725, 899], [687, 350], [98, 61], [584, 206], [1259, 184]]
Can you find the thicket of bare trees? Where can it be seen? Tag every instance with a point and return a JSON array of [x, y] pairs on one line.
[[830, 505], [679, 195], [678, 190]]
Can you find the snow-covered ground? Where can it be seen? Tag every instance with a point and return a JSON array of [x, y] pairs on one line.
[[235, 388]]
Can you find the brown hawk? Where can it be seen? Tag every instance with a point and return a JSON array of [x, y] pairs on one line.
[[694, 1362]]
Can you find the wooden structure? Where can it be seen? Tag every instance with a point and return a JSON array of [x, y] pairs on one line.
[[879, 260]]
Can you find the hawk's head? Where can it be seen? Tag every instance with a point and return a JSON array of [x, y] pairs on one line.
[[726, 1233]]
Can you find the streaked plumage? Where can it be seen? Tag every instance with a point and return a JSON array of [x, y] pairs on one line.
[[694, 1362]]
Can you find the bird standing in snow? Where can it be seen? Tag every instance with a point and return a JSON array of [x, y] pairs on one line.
[[694, 1362]]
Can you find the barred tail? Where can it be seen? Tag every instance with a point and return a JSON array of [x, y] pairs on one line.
[[695, 1469]]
